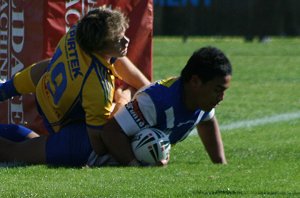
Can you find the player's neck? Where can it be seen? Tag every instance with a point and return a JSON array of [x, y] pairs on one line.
[[188, 98], [106, 57]]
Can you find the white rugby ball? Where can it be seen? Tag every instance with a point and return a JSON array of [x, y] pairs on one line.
[[151, 146]]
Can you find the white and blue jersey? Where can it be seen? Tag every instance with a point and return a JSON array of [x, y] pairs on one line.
[[160, 105]]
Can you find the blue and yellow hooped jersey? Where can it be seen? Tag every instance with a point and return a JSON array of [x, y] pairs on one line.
[[76, 86]]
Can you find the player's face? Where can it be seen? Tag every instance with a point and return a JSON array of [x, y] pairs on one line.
[[117, 47], [211, 93]]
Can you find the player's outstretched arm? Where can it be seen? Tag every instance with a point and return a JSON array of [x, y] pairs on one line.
[[210, 135]]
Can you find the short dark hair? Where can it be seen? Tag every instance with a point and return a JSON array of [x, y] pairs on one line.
[[99, 26], [208, 63]]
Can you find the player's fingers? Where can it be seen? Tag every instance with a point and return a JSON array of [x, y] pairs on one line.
[[163, 162]]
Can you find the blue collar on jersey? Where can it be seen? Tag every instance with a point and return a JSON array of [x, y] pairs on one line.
[[113, 60]]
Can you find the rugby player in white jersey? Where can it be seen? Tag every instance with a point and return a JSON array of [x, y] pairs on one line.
[[175, 106]]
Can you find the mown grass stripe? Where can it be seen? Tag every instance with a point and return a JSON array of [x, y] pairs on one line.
[[258, 122]]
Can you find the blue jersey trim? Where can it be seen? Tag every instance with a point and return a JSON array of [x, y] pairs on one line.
[[101, 72], [94, 127]]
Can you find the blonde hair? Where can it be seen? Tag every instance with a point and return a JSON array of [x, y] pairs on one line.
[[98, 26]]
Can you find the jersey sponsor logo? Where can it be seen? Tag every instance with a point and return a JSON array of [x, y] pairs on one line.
[[72, 55], [136, 114]]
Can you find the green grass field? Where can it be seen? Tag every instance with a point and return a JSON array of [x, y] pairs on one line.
[[263, 160]]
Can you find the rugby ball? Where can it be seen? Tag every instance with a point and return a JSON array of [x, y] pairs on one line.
[[151, 146]]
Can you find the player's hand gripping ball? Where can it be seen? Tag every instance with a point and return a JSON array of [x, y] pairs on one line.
[[150, 146]]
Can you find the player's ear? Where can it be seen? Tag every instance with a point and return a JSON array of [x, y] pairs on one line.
[[195, 80]]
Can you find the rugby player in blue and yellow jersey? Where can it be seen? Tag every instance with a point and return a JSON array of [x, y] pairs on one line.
[[75, 94], [175, 106]]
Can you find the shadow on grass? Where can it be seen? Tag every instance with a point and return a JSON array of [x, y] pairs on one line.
[[24, 165], [233, 192], [12, 164]]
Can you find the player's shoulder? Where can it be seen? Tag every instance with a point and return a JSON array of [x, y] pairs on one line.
[[168, 82], [162, 94], [163, 87]]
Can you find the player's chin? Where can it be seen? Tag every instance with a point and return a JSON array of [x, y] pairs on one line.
[[208, 108], [124, 52], [121, 52], [120, 55]]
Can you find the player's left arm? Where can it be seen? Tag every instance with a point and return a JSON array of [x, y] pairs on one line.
[[210, 136], [133, 77], [126, 123], [121, 97]]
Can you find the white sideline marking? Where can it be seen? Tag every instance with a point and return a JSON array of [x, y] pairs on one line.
[[257, 122], [262, 121]]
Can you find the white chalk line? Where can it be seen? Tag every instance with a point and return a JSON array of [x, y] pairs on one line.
[[258, 122]]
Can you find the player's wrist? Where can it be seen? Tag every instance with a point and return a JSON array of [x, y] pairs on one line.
[[122, 102]]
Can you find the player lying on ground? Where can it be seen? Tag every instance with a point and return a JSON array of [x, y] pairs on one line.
[[175, 106], [75, 94]]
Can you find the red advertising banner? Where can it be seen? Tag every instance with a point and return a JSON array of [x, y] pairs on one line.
[[30, 31]]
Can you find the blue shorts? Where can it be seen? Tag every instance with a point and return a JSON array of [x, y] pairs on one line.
[[69, 147]]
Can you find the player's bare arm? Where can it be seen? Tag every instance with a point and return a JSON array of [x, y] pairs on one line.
[[26, 81], [121, 97], [38, 70], [117, 143], [210, 135], [130, 73]]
